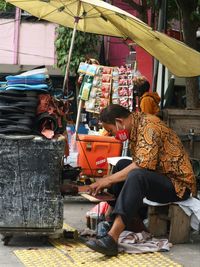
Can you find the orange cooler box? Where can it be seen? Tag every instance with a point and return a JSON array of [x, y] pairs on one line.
[[93, 151]]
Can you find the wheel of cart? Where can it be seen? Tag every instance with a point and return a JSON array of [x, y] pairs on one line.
[[43, 234], [6, 239]]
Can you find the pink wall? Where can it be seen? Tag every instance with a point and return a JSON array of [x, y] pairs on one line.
[[7, 41], [145, 63], [118, 51], [36, 43]]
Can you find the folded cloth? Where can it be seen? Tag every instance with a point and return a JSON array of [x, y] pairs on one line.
[[30, 86], [25, 81], [23, 87], [3, 84], [143, 242], [35, 77], [35, 71]]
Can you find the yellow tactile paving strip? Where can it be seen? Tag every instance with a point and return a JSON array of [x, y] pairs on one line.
[[43, 258], [76, 254], [68, 227], [71, 253]]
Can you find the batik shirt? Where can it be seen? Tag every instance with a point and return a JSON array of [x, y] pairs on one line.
[[156, 147]]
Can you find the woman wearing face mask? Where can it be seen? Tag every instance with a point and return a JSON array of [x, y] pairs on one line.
[[160, 170]]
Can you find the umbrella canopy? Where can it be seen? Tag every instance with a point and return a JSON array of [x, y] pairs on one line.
[[102, 18], [91, 15]]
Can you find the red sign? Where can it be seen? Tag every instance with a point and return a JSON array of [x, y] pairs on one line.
[[101, 162]]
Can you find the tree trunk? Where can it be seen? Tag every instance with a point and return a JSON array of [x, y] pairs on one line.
[[190, 27], [192, 96]]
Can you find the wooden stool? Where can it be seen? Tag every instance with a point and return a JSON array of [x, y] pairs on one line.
[[169, 220]]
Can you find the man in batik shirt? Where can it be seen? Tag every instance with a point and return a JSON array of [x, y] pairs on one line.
[[160, 171]]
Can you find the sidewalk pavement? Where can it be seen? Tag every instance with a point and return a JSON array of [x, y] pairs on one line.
[[74, 215]]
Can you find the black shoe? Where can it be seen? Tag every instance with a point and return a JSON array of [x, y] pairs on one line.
[[105, 245]]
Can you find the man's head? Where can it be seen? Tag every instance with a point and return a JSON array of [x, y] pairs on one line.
[[114, 118]]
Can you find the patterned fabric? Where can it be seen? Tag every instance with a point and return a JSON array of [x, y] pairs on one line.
[[155, 146]]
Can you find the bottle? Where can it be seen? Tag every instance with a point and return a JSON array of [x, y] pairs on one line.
[[69, 136], [73, 153]]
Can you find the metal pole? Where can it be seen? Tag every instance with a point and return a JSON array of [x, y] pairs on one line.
[[66, 78], [76, 20], [162, 88], [16, 34], [78, 116]]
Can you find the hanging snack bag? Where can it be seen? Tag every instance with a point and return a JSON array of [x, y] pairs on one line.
[[107, 70], [90, 105], [106, 78], [115, 101], [99, 70], [82, 67], [97, 81], [86, 87], [115, 73], [93, 92], [91, 70], [103, 103]]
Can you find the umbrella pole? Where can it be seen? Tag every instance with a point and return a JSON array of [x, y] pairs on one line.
[[66, 78], [78, 117]]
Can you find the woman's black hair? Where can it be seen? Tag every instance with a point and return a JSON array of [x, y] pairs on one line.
[[113, 111], [143, 88]]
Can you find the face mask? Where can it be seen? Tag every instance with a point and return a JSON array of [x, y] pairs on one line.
[[122, 135]]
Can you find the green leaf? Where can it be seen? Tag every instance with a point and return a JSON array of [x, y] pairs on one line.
[[84, 44]]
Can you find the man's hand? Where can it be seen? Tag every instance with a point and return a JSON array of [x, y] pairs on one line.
[[106, 182], [96, 187]]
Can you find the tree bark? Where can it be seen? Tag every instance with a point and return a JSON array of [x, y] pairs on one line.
[[192, 95], [190, 27]]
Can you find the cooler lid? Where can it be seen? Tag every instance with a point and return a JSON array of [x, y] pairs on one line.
[[97, 138]]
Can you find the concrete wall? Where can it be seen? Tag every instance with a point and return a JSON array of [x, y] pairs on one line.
[[186, 123]]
